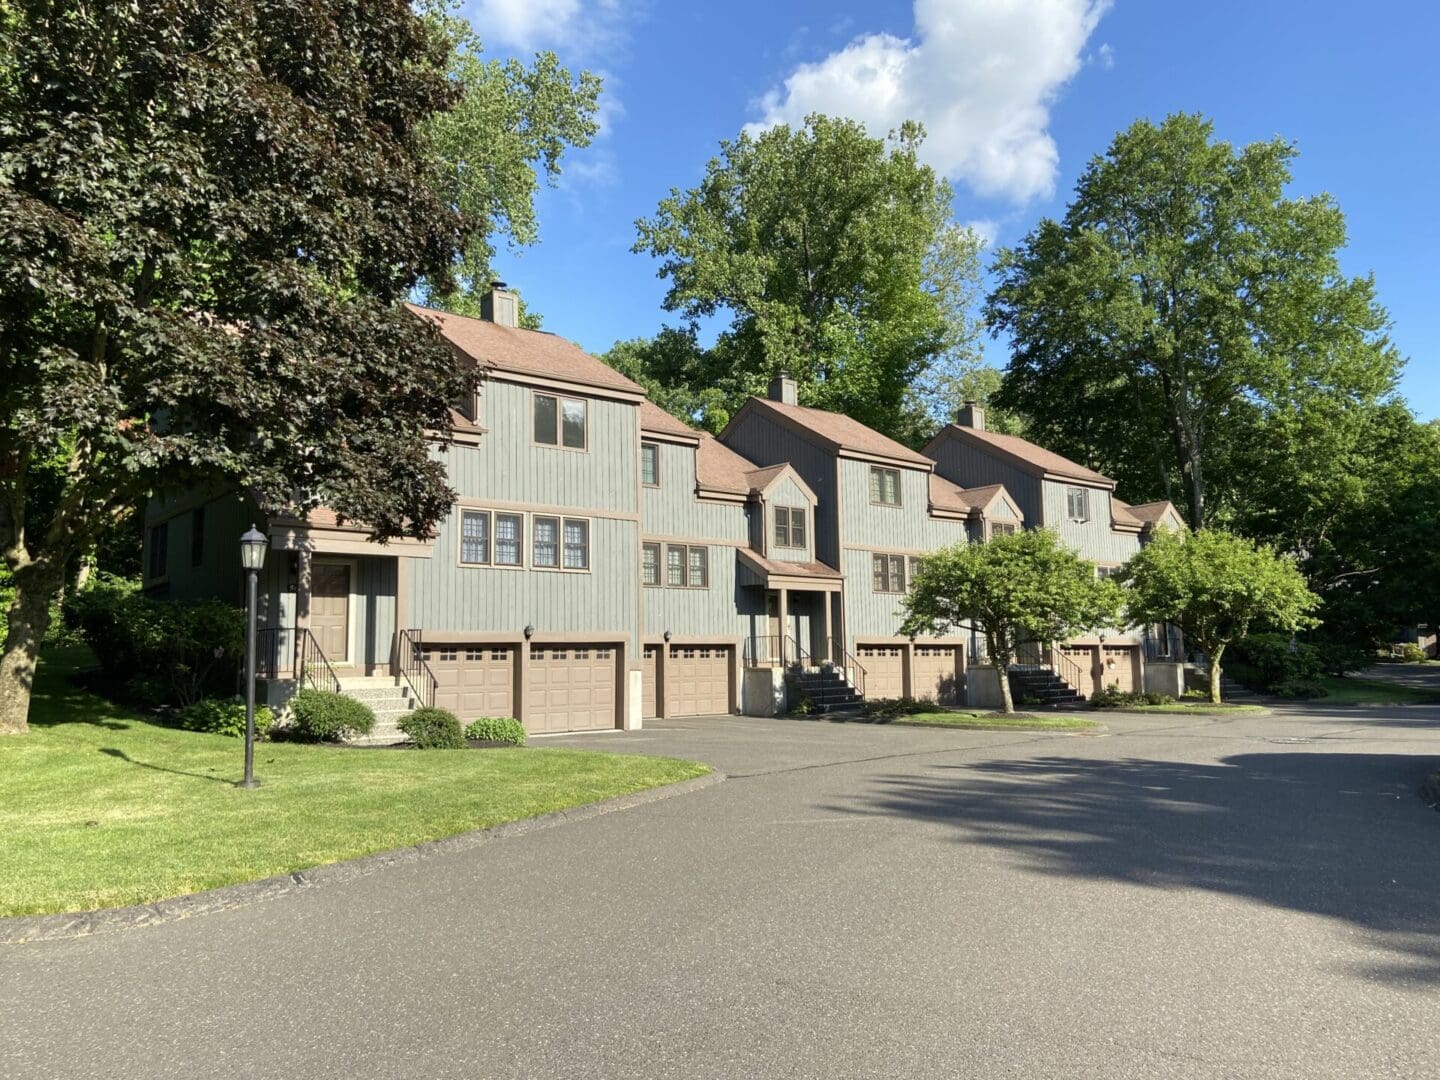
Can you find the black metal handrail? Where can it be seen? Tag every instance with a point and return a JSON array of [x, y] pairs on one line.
[[415, 669], [313, 666], [1072, 673], [857, 679], [762, 650]]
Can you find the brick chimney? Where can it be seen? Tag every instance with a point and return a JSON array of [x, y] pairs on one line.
[[782, 388], [971, 415], [500, 306]]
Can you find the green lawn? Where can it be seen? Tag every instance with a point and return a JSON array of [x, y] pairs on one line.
[[994, 721], [100, 807], [1358, 691]]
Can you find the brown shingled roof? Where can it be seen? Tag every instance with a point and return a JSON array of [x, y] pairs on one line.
[[792, 569], [1151, 512], [528, 352], [842, 432], [1122, 514], [1028, 455], [719, 468], [945, 495], [654, 418]]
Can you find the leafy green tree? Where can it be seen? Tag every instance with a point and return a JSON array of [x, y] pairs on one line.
[[835, 257], [212, 210], [1023, 587], [1188, 323], [511, 124], [1215, 586]]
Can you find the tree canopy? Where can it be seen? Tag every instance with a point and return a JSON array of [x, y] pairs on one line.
[[1216, 587], [1023, 587], [834, 256], [1187, 325], [510, 125], [212, 210]]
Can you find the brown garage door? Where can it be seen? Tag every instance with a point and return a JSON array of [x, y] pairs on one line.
[[474, 680], [1083, 658], [697, 680], [570, 688], [884, 670], [1122, 667], [937, 673], [648, 678]]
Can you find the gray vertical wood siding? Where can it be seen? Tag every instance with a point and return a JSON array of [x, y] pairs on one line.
[[970, 466], [767, 443], [787, 493], [673, 509], [1094, 539], [727, 609], [907, 527]]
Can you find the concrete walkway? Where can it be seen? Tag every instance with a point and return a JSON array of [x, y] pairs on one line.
[[1252, 896]]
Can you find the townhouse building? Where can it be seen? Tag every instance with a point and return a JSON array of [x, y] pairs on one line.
[[605, 562]]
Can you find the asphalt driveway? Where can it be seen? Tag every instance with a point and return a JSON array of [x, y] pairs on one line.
[[1179, 897]]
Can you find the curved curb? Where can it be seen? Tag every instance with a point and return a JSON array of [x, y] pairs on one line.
[[19, 929]]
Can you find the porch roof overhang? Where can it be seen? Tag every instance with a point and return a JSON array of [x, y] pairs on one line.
[[803, 576], [288, 534]]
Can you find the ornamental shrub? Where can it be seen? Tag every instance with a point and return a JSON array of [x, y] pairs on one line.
[[1112, 697], [433, 729], [883, 708], [1268, 660], [224, 717], [496, 729], [323, 716], [1411, 653]]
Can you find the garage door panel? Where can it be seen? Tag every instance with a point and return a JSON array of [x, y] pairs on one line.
[[1083, 658], [697, 680], [1122, 667], [474, 680], [570, 688], [937, 673], [884, 670]]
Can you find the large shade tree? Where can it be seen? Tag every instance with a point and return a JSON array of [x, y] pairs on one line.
[[1187, 325], [1024, 587], [829, 253], [210, 211], [1216, 587]]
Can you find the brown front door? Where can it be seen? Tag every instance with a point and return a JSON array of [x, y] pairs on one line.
[[330, 609]]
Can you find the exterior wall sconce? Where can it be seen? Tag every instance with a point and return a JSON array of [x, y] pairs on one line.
[[529, 631], [667, 635]]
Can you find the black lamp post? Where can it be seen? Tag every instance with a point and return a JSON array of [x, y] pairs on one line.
[[252, 558]]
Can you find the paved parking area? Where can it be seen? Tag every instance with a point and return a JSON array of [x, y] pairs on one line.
[[1180, 897]]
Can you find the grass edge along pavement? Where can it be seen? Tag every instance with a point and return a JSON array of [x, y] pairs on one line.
[[994, 721], [102, 807]]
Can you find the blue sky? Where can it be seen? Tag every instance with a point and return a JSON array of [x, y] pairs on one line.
[[1017, 96]]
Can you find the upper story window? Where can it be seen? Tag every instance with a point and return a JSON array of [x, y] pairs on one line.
[[888, 573], [790, 526], [1077, 503], [884, 486], [687, 566], [650, 464], [497, 538], [509, 539], [159, 551], [650, 564], [561, 421], [577, 544]]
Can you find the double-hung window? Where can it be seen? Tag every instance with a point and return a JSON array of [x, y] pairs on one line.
[[509, 539], [888, 573], [650, 564], [561, 421], [650, 464], [577, 544], [884, 486], [687, 566], [1077, 503], [789, 526], [546, 539], [475, 537]]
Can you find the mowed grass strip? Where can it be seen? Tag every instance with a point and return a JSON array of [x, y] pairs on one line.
[[99, 807], [995, 721], [1355, 690]]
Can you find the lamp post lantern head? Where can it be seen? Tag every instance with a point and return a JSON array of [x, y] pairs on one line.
[[252, 549]]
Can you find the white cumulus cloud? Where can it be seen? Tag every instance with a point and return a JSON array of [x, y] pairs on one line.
[[979, 74], [586, 26]]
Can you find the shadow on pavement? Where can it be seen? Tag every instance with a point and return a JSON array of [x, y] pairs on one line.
[[1340, 835]]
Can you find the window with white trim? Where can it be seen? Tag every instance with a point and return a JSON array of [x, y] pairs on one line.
[[577, 544], [1077, 503], [884, 486]]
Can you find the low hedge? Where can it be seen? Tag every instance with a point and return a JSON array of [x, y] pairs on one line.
[[433, 729], [224, 717], [901, 706], [504, 729], [323, 716], [1112, 697]]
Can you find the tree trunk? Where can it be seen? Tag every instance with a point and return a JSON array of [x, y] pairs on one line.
[[29, 619], [1000, 656], [1215, 674]]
